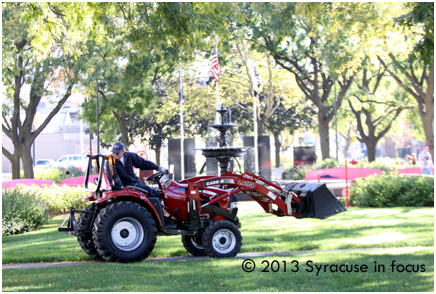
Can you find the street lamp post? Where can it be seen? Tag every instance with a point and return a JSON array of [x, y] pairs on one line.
[[98, 127], [336, 124]]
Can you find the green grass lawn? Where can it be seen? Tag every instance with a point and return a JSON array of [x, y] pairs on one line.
[[356, 228], [222, 275], [391, 228]]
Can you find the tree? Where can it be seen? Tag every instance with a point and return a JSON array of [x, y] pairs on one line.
[[47, 75], [236, 84], [414, 70], [380, 103], [289, 119], [126, 86], [318, 48], [157, 35], [149, 128], [271, 100], [161, 119]]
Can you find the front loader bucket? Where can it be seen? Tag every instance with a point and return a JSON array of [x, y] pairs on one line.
[[317, 201]]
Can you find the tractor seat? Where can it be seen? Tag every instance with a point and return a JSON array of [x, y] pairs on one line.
[[138, 189]]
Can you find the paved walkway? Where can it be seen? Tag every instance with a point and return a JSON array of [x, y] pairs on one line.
[[241, 255]]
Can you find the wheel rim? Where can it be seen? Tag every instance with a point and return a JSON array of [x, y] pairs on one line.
[[224, 241], [127, 234]]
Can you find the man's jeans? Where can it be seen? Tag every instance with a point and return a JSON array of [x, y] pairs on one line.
[[151, 192]]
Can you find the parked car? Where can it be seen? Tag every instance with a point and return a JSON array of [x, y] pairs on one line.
[[44, 162], [76, 160]]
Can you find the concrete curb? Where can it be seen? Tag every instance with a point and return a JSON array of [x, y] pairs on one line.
[[182, 258]]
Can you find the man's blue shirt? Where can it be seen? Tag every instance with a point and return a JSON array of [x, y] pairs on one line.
[[131, 159]]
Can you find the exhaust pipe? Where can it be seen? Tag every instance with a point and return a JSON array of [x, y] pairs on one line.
[[317, 201]]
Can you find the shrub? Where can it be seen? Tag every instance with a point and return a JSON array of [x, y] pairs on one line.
[[55, 174], [22, 211], [328, 163], [392, 190], [299, 172], [384, 164], [59, 198]]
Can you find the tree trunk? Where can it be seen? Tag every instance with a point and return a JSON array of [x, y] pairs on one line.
[[26, 157], [157, 152], [260, 127], [278, 146], [371, 139], [427, 123], [371, 146], [14, 159], [424, 97], [427, 116], [123, 129], [15, 162], [20, 131], [122, 122], [318, 91], [324, 136]]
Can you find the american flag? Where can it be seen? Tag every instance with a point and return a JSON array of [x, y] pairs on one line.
[[215, 66]]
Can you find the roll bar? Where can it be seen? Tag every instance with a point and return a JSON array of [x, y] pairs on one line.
[[100, 161]]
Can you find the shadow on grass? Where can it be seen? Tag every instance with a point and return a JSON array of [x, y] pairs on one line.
[[222, 275], [356, 228]]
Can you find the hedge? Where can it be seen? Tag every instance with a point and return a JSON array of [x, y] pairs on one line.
[[384, 164], [22, 211], [55, 174], [392, 190], [25, 208]]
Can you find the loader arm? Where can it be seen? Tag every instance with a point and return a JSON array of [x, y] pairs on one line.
[[294, 200]]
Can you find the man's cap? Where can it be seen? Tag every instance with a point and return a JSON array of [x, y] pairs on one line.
[[117, 147]]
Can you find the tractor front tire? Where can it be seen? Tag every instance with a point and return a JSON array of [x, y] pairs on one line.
[[84, 222], [193, 244], [124, 232], [222, 239]]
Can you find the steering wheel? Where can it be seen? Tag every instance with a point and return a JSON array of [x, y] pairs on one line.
[[156, 177]]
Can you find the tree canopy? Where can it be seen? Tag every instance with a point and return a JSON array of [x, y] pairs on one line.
[[130, 52]]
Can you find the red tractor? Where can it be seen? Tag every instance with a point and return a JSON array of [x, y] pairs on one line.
[[122, 224]]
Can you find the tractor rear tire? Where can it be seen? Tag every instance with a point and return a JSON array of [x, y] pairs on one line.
[[193, 244], [124, 232], [222, 239], [84, 222]]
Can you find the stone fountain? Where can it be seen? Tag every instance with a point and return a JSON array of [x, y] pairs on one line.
[[223, 153]]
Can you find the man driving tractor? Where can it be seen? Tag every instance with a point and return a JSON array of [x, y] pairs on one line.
[[124, 163]]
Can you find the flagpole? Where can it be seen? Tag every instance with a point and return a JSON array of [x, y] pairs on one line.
[[216, 73], [217, 89], [256, 151], [182, 147]]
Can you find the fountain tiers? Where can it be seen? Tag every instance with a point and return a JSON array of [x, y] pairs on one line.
[[223, 154]]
